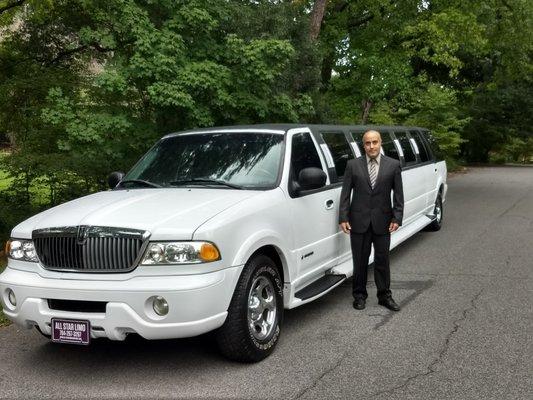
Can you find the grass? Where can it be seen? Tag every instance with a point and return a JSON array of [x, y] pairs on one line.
[[3, 262], [4, 180], [39, 191]]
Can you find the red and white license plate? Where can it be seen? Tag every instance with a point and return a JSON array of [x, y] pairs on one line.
[[71, 331]]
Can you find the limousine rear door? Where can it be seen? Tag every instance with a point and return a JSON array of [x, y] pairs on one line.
[[341, 149], [413, 178], [427, 169]]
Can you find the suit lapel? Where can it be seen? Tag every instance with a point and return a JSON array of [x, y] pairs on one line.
[[364, 167]]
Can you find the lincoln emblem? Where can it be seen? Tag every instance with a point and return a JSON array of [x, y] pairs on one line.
[[83, 233]]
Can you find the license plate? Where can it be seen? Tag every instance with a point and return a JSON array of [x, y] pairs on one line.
[[71, 331]]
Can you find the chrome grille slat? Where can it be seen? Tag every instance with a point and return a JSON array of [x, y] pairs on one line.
[[57, 257], [128, 251], [105, 254], [94, 253], [122, 248], [116, 250], [101, 250], [62, 252]]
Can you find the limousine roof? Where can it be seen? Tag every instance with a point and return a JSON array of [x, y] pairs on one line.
[[283, 128]]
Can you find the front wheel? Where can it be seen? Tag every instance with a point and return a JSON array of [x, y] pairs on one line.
[[252, 327], [438, 213]]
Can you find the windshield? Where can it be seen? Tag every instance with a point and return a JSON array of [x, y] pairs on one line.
[[225, 160]]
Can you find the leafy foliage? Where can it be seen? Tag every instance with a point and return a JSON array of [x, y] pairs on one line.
[[88, 85]]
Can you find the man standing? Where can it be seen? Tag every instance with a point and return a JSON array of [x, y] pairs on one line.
[[369, 217]]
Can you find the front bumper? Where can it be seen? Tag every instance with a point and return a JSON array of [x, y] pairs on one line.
[[197, 303]]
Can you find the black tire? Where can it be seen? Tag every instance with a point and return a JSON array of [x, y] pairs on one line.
[[437, 222], [236, 338]]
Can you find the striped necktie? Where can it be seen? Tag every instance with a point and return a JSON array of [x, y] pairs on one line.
[[373, 172]]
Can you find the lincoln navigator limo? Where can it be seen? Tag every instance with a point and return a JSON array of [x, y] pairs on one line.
[[213, 229]]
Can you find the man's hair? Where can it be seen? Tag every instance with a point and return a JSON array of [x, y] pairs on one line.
[[371, 131]]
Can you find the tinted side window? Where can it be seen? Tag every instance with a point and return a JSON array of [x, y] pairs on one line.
[[358, 138], [357, 143], [388, 146], [304, 154], [408, 153], [340, 151], [421, 146]]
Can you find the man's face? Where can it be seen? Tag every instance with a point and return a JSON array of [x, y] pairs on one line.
[[372, 143]]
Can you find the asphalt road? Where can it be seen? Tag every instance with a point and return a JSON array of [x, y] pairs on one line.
[[464, 332]]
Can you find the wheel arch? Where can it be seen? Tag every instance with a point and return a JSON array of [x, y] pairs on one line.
[[269, 244]]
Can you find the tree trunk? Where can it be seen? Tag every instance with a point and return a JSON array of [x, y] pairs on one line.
[[317, 15], [327, 68], [366, 105]]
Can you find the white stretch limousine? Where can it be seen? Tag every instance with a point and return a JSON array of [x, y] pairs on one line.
[[217, 228]]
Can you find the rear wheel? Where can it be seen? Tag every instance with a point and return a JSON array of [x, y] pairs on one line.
[[253, 325], [438, 213]]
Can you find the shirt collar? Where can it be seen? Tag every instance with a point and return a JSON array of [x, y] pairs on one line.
[[378, 158]]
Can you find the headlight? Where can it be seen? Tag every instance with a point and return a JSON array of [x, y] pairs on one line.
[[19, 249], [180, 253]]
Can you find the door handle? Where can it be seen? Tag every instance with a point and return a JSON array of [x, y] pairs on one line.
[[329, 204]]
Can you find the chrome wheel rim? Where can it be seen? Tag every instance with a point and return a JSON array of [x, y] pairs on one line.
[[438, 211], [261, 308]]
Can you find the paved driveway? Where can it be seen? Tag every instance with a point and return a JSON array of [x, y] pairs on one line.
[[465, 330]]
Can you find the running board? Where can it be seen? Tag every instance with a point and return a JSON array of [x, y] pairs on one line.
[[320, 286]]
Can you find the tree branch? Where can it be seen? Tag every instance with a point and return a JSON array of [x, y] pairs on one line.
[[66, 53], [361, 21], [11, 5]]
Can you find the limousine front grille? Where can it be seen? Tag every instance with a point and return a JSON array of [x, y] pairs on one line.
[[89, 248]]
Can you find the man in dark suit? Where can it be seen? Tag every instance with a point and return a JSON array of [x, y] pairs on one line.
[[369, 218]]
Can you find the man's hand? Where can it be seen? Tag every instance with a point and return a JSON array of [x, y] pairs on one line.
[[345, 226], [393, 226]]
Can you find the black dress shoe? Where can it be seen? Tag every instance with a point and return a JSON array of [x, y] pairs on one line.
[[389, 303], [359, 304]]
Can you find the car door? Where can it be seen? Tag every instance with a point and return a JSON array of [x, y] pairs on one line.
[[341, 148], [414, 187], [426, 169], [313, 212]]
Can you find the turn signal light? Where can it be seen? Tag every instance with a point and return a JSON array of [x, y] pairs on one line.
[[209, 252]]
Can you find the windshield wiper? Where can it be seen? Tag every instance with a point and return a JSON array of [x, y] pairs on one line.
[[206, 182], [140, 182]]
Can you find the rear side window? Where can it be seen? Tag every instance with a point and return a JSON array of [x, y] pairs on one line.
[[304, 153], [358, 139], [357, 143], [408, 153], [388, 146], [422, 151], [339, 149]]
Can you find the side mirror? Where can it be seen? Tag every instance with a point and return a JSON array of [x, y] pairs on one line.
[[311, 178], [114, 178]]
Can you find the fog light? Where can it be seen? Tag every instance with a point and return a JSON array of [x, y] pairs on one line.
[[11, 297], [160, 306]]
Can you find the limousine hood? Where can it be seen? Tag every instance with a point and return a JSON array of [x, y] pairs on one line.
[[171, 213]]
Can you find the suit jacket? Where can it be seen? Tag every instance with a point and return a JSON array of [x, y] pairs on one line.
[[371, 205]]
